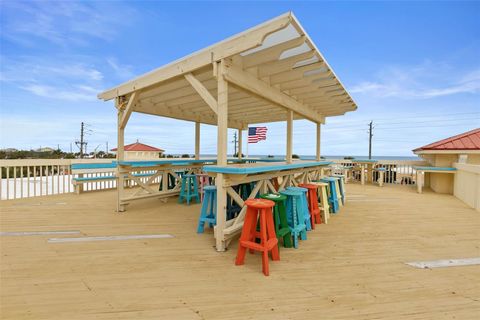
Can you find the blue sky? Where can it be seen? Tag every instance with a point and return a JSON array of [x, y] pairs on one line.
[[412, 67]]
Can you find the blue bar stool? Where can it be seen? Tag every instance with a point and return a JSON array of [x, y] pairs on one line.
[[304, 204], [295, 217], [209, 208], [332, 193], [189, 189]]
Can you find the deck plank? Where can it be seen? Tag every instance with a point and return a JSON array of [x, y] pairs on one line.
[[353, 268]]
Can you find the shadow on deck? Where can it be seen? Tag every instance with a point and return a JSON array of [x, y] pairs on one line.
[[352, 268]]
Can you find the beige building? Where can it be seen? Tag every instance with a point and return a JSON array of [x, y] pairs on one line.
[[459, 151], [140, 151]]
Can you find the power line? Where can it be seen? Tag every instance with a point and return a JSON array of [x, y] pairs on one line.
[[402, 122], [416, 116]]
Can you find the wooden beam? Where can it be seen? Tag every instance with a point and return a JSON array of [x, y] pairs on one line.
[[222, 131], [177, 113], [222, 116], [270, 54], [128, 110], [289, 136], [252, 84], [202, 91], [120, 156], [278, 66], [197, 140], [318, 141]]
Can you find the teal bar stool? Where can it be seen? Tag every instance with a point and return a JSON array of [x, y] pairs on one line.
[[189, 189], [304, 205], [341, 186], [208, 214], [295, 217], [332, 193]]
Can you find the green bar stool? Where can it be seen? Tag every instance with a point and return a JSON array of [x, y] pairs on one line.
[[280, 218], [189, 189]]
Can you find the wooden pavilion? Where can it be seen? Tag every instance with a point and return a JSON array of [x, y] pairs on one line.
[[271, 72]]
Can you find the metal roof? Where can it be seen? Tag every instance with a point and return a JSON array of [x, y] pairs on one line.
[[137, 146], [269, 67], [466, 141]]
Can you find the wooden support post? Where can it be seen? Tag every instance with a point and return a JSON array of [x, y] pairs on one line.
[[289, 135], [362, 174], [120, 154], [380, 178], [318, 141], [197, 140], [222, 131], [222, 117], [420, 180], [240, 142]]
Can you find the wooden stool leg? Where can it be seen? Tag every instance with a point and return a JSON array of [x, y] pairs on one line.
[[263, 241], [272, 235], [246, 235], [339, 195], [287, 239]]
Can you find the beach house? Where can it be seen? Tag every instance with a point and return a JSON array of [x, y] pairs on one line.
[[141, 151]]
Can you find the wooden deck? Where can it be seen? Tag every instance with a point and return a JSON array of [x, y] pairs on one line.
[[352, 268]]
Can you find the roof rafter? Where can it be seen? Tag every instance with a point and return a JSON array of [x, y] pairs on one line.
[[252, 84]]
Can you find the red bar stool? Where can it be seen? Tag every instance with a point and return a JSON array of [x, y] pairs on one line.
[[315, 216], [258, 209]]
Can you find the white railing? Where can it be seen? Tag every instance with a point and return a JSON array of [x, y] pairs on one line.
[[396, 171], [25, 178], [34, 177]]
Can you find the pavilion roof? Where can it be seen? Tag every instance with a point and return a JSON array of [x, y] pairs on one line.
[[271, 68]]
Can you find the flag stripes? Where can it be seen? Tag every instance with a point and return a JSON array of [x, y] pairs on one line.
[[256, 134]]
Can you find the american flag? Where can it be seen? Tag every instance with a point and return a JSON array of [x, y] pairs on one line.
[[256, 134]]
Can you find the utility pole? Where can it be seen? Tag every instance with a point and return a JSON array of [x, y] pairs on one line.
[[235, 141], [82, 143], [370, 135], [106, 151]]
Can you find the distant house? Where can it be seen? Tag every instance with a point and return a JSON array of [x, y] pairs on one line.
[[45, 149], [9, 150], [140, 151]]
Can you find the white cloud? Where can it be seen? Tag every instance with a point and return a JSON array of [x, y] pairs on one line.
[[34, 68], [63, 22], [124, 72], [76, 93], [423, 81], [58, 79]]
